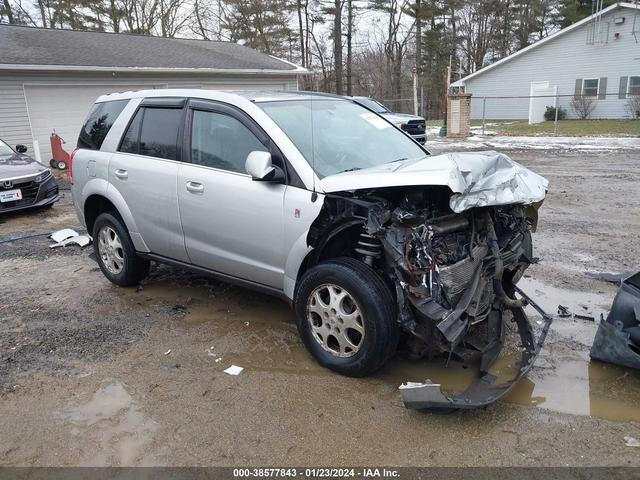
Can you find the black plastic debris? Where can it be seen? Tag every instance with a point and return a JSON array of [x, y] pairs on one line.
[[618, 337]]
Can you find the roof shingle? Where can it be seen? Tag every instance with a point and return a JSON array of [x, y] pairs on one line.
[[43, 46]]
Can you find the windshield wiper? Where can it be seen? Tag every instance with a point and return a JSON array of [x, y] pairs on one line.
[[350, 169], [399, 159]]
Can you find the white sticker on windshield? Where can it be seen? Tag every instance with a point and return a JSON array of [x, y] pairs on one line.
[[375, 120]]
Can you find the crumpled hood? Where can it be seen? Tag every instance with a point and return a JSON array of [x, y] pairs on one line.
[[477, 179], [19, 165]]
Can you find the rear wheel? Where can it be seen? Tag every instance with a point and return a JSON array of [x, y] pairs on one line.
[[115, 251], [346, 317]]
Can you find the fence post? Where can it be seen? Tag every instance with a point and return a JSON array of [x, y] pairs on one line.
[[484, 107], [555, 123]]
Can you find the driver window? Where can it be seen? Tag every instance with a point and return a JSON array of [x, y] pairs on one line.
[[221, 141]]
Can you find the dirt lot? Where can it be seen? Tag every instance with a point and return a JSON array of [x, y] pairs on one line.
[[92, 374]]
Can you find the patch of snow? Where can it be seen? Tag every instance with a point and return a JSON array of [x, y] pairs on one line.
[[590, 144]]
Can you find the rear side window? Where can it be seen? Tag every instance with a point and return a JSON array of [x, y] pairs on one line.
[[154, 132], [99, 122]]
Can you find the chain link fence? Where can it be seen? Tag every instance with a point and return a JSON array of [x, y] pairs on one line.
[[555, 114]]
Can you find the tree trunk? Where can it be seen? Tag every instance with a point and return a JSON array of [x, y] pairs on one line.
[[8, 12], [349, 51], [337, 46], [303, 58]]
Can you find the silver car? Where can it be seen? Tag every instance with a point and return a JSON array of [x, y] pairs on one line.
[[324, 203]]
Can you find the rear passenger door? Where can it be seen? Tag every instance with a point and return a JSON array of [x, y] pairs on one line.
[[231, 223], [145, 172]]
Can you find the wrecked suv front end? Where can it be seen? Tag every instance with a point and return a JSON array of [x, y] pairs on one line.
[[451, 251]]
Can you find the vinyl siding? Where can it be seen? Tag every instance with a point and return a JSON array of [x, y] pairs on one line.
[[15, 126], [561, 61]]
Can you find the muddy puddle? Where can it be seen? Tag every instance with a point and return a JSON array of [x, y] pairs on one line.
[[258, 332], [111, 418]]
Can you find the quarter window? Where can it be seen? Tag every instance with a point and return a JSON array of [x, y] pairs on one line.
[[154, 132], [221, 141], [590, 87], [634, 86], [99, 122]]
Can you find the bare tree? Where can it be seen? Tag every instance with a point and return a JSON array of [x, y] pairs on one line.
[[583, 106], [633, 106]]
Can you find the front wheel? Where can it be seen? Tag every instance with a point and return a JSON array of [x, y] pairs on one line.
[[345, 315], [115, 251]]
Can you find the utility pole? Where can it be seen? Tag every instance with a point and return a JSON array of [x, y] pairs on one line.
[[414, 71]]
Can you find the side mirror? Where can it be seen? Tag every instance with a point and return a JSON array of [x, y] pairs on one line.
[[259, 166], [21, 148]]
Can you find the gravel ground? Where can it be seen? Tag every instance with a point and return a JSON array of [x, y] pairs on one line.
[[93, 374]]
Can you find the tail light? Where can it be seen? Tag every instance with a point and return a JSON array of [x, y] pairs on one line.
[[73, 154]]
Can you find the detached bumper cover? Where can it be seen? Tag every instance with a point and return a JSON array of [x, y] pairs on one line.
[[618, 337], [484, 391]]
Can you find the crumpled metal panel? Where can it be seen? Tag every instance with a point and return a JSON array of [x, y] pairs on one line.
[[491, 178], [477, 179]]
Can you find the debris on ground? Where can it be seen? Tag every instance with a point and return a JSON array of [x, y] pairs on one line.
[[631, 442], [209, 351], [167, 352], [81, 240], [234, 370], [68, 236], [608, 276], [60, 235], [564, 312], [618, 337]]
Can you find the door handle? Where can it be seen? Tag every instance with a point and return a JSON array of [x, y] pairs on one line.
[[195, 187], [121, 174]]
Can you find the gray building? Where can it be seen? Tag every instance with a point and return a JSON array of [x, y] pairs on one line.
[[598, 57], [50, 78]]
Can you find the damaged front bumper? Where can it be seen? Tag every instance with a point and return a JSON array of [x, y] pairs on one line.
[[484, 390], [618, 337]]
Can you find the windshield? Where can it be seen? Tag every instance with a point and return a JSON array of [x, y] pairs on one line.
[[5, 150], [338, 135], [373, 105]]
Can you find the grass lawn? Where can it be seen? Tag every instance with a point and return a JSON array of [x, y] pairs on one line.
[[566, 128]]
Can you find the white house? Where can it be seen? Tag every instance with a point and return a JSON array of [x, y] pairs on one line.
[[50, 78], [598, 56]]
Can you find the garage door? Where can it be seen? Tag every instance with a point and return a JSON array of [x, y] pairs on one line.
[[62, 109]]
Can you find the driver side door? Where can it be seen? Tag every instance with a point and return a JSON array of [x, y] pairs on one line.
[[231, 223]]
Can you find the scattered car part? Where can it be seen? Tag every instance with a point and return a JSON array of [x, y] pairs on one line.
[[608, 276], [617, 339], [80, 240], [60, 235]]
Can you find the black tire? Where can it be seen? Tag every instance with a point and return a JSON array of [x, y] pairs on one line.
[[381, 330], [134, 268]]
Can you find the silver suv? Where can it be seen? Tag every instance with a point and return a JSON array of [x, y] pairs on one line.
[[320, 201]]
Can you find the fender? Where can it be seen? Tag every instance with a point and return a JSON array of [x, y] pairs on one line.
[[297, 254], [99, 186]]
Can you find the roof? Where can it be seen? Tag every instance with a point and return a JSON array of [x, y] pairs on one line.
[[546, 40], [29, 48], [252, 96]]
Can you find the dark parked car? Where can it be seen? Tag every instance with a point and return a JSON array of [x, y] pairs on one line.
[[24, 183], [412, 125]]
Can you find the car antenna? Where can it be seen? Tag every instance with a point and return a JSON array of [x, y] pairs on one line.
[[314, 194]]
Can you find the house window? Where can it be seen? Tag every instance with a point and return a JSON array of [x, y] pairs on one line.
[[590, 87], [634, 86]]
